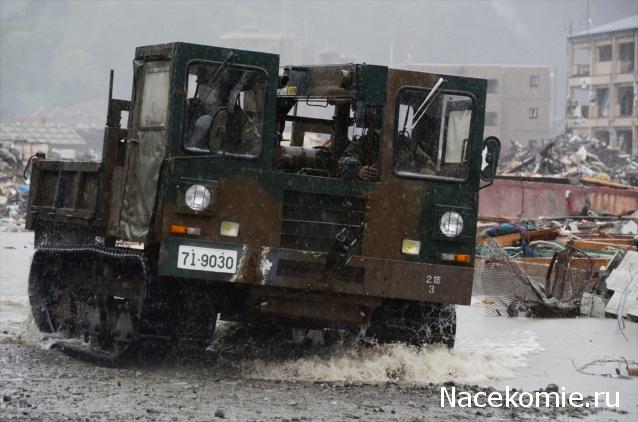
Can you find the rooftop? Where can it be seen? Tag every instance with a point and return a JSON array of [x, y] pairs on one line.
[[40, 133], [625, 24]]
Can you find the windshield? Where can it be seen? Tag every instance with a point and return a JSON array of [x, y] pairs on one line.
[[224, 111], [434, 142]]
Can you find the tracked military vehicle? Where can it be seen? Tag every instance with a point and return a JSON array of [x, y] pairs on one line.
[[334, 196]]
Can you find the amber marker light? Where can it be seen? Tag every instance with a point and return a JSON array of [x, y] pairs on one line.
[[177, 229], [193, 231], [462, 258]]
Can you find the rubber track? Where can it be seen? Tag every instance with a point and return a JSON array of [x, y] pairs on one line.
[[116, 253]]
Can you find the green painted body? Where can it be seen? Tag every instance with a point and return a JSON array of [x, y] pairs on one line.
[[250, 192]]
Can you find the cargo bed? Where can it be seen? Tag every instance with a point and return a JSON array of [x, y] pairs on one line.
[[64, 192]]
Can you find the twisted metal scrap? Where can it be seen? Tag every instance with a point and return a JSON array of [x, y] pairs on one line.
[[510, 291]]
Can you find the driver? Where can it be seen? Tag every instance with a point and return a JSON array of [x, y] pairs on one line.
[[223, 124], [410, 157], [362, 154], [233, 129]]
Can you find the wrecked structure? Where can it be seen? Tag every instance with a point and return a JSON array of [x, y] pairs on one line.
[[569, 159], [14, 191], [561, 267], [560, 220], [341, 196]]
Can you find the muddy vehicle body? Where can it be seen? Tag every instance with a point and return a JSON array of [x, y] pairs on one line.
[[235, 191]]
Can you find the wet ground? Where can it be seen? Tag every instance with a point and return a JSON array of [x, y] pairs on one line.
[[271, 378]]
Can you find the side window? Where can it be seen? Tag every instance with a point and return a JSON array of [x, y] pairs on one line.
[[433, 136], [224, 109], [154, 98]]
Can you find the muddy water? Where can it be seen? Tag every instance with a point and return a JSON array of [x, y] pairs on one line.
[[498, 352], [16, 250], [476, 358]]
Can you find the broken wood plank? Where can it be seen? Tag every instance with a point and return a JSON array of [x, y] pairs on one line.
[[515, 238]]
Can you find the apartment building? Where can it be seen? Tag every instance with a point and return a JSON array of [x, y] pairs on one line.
[[603, 84], [519, 99]]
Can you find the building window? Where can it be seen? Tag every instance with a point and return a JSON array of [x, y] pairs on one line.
[[626, 100], [602, 102], [492, 86], [579, 103], [534, 80], [582, 61], [623, 139], [604, 53], [626, 57], [491, 118], [533, 112]]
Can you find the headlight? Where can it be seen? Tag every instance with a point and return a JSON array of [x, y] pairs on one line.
[[451, 224], [197, 197]]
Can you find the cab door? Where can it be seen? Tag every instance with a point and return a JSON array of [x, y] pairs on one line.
[[431, 154], [146, 147], [222, 128]]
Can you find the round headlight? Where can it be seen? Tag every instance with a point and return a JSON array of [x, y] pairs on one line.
[[197, 197], [451, 224]]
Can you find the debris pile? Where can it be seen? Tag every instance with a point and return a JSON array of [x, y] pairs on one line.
[[544, 269], [14, 192], [571, 157]]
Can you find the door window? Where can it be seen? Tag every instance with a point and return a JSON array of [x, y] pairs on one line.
[[433, 134], [224, 109], [154, 98]]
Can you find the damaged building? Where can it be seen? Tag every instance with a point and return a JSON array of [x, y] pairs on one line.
[[603, 84]]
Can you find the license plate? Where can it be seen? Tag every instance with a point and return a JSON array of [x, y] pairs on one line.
[[207, 259]]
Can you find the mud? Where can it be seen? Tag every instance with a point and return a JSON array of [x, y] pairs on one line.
[[39, 384]]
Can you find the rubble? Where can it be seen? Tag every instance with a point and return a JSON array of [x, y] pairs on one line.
[[623, 281], [576, 266], [587, 160], [14, 192]]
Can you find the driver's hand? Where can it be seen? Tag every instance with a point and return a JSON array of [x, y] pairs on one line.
[[369, 173]]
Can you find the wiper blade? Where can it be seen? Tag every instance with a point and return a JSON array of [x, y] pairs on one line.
[[218, 73], [426, 104]]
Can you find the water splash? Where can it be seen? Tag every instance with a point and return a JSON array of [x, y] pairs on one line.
[[469, 363]]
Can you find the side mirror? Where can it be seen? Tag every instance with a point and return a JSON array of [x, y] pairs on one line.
[[490, 153]]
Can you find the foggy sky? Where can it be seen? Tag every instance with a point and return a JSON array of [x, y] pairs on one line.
[[58, 53]]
